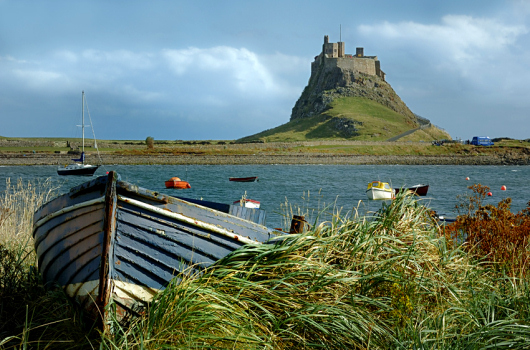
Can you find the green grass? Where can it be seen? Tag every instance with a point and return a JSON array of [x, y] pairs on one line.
[[389, 149], [379, 124], [391, 281]]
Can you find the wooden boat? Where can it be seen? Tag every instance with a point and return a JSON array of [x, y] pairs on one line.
[[176, 182], [244, 179], [251, 214], [109, 242], [248, 203], [379, 190], [420, 190], [79, 167]]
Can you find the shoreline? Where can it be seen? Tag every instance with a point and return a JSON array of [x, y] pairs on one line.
[[266, 159]]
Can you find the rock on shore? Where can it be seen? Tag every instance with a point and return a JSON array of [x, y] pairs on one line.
[[57, 159]]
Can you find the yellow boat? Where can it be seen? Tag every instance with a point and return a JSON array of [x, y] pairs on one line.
[[379, 190]]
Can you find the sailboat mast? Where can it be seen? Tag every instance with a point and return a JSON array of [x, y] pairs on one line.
[[83, 124]]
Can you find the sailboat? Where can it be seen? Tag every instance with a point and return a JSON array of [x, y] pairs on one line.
[[79, 167]]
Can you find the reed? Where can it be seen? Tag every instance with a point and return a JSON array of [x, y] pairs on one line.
[[393, 280], [17, 205], [31, 316]]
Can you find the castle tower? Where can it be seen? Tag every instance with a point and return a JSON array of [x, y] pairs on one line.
[[341, 47], [332, 50], [359, 52]]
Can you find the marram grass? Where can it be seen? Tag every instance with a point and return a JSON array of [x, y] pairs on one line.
[[390, 281]]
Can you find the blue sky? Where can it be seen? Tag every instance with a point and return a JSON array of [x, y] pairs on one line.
[[221, 70]]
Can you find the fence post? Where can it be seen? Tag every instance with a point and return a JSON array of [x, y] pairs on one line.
[[297, 224]]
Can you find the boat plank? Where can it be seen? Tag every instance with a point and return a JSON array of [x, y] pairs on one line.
[[109, 240]]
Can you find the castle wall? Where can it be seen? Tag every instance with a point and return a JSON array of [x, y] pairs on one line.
[[333, 55], [362, 65]]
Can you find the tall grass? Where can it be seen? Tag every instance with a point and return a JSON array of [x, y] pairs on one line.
[[17, 205], [30, 316], [391, 281]]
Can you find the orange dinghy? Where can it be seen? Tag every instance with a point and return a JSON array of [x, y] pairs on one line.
[[176, 182]]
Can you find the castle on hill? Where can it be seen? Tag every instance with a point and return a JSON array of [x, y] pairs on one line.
[[333, 56]]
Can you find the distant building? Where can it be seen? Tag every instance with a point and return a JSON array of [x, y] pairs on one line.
[[334, 55]]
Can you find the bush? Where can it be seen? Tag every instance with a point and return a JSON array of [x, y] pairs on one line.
[[150, 142], [494, 233]]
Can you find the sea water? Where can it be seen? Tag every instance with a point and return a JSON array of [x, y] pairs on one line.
[[315, 191]]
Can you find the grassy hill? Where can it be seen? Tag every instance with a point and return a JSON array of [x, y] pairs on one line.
[[349, 118]]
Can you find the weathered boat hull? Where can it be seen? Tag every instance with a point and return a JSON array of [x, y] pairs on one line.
[[256, 215], [109, 241]]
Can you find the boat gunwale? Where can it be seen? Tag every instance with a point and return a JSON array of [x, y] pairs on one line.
[[189, 220], [65, 210]]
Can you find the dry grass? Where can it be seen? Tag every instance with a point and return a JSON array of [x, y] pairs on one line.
[[18, 203], [389, 281], [392, 281]]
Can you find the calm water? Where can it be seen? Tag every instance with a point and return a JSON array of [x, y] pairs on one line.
[[306, 187]]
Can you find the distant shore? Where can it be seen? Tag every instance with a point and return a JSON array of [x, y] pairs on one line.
[[110, 159]]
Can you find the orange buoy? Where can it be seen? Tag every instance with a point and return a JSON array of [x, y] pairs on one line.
[[490, 194], [176, 182], [503, 188], [467, 178]]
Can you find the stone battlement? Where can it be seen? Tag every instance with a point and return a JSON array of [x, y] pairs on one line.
[[333, 55]]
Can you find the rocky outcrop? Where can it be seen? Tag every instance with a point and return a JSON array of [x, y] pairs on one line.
[[327, 84]]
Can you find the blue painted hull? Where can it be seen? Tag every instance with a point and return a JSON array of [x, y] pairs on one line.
[[111, 241]]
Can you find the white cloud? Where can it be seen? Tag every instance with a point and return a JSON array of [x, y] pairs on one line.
[[460, 39], [66, 56], [38, 79], [122, 58], [10, 59], [216, 86], [242, 67], [474, 53]]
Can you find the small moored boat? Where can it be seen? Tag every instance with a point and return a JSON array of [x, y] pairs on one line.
[[111, 242], [379, 190], [80, 167], [420, 190], [244, 179], [176, 182], [247, 203]]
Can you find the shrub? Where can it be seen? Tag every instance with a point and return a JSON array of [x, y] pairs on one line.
[[150, 142], [494, 233]]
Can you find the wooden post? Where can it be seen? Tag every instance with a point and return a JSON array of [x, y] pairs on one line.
[[297, 224]]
